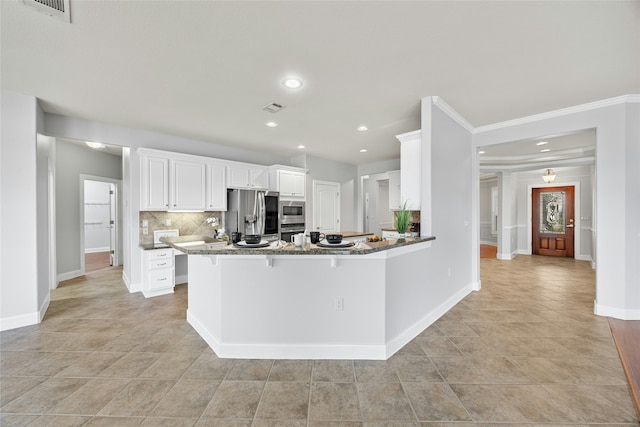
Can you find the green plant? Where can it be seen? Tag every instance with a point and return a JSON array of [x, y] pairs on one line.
[[402, 218]]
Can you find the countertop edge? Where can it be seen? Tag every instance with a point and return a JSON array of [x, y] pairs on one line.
[[312, 250]]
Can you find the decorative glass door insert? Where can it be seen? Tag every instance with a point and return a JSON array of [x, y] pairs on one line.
[[552, 212]]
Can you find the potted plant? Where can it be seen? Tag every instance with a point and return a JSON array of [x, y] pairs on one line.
[[402, 219]]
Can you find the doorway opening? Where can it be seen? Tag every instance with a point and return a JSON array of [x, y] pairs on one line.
[[99, 216]]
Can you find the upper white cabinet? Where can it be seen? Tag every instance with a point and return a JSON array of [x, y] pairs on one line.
[[154, 183], [411, 169], [180, 182], [247, 176], [290, 184], [395, 197], [186, 185], [216, 194]]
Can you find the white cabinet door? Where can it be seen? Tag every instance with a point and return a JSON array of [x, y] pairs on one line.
[[216, 188], [187, 185], [248, 176], [155, 184], [259, 178], [395, 201], [238, 177], [291, 185], [411, 173]]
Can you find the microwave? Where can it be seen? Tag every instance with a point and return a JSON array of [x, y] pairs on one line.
[[292, 212]]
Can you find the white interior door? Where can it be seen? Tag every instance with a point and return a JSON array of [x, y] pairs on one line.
[[113, 220], [326, 206]]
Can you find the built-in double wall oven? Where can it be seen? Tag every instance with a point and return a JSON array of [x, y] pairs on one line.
[[292, 219]]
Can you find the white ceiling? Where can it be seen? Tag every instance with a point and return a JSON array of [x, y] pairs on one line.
[[204, 69]]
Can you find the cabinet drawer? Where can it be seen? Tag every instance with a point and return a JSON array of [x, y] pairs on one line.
[[161, 263], [161, 278], [161, 254]]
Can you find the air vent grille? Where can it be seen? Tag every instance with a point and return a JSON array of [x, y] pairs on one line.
[[273, 107], [56, 8]]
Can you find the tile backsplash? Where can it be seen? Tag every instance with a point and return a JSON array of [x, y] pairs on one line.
[[187, 223]]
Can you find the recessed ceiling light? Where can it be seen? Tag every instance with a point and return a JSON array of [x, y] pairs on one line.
[[95, 144], [481, 152], [271, 124], [546, 150], [292, 82], [364, 150], [302, 147], [363, 128], [542, 143]]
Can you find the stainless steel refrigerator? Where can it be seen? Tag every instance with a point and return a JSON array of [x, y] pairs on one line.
[[253, 212]]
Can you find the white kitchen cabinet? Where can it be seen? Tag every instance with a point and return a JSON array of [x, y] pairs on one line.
[[187, 182], [411, 171], [158, 273], [216, 193], [395, 197], [247, 176], [291, 185], [154, 183]]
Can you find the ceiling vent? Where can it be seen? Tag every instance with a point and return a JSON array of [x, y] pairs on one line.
[[273, 107], [55, 8]]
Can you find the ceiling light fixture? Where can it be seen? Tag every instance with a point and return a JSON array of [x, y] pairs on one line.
[[271, 124], [364, 150], [545, 150], [549, 176], [292, 83], [481, 152], [95, 144], [363, 128], [302, 147], [542, 143]]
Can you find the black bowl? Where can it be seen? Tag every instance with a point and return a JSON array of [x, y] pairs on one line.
[[334, 238], [252, 239]]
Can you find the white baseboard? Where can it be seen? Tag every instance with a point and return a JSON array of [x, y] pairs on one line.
[[581, 257], [43, 307], [20, 321], [488, 242], [507, 257], [96, 250], [618, 313], [286, 351], [181, 279], [524, 251], [414, 330], [69, 275], [157, 293]]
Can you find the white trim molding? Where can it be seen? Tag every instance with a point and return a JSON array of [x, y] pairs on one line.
[[617, 313]]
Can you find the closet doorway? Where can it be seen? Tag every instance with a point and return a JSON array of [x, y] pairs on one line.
[[99, 215]]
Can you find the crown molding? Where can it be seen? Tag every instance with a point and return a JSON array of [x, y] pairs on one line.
[[634, 98], [453, 114], [410, 136]]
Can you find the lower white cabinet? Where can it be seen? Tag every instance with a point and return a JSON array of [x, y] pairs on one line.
[[158, 272]]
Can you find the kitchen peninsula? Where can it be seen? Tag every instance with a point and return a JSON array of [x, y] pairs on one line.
[[360, 302]]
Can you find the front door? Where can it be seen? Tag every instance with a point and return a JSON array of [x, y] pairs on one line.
[[552, 221]]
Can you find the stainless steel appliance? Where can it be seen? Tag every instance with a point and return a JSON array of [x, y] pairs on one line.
[[253, 212], [292, 219]]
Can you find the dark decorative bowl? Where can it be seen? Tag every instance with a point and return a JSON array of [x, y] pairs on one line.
[[334, 238], [252, 239]]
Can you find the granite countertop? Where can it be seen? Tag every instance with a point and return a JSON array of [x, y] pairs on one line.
[[291, 249], [389, 229]]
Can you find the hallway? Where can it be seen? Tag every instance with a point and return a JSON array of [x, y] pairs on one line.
[[526, 350]]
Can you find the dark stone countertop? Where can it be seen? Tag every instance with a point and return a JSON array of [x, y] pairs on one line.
[[290, 249]]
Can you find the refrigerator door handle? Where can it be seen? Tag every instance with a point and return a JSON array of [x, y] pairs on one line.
[[261, 212]]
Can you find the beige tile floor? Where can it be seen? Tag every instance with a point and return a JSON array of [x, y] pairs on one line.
[[524, 351]]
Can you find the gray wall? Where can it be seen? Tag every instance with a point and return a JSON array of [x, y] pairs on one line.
[[72, 161]]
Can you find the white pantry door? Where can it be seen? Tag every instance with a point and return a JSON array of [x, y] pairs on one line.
[[326, 206]]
